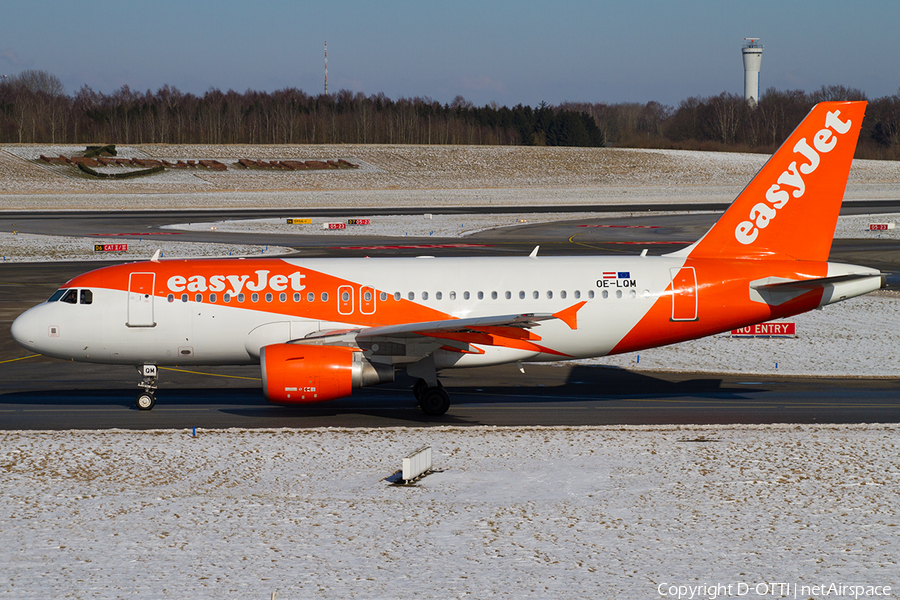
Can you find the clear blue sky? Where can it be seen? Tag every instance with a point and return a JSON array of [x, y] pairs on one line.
[[509, 52]]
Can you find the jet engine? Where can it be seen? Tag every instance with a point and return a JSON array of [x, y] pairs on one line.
[[301, 373]]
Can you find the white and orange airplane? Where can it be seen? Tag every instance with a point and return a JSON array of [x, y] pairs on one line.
[[320, 328]]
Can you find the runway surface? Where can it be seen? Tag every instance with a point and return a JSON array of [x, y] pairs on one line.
[[39, 393], [57, 395]]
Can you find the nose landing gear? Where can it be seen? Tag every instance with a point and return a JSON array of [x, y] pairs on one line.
[[146, 399]]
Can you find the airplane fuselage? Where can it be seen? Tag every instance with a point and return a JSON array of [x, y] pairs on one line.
[[224, 311]]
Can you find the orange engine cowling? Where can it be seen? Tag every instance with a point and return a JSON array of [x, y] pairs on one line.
[[300, 373]]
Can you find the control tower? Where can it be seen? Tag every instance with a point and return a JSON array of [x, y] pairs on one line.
[[752, 51]]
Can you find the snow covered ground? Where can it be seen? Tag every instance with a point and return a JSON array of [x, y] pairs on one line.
[[24, 247], [397, 175], [615, 512]]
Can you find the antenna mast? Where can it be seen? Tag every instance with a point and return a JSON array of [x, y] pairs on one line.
[[326, 67]]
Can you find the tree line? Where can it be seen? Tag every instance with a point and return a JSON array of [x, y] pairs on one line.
[[34, 108], [729, 122]]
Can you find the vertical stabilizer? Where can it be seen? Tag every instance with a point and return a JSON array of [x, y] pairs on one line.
[[790, 209]]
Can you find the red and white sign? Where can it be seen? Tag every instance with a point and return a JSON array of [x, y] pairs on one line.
[[767, 330], [110, 247], [359, 222], [334, 226], [880, 226]]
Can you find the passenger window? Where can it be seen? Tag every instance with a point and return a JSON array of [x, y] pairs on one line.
[[481, 295], [310, 297], [198, 298], [618, 293], [493, 295], [521, 294], [383, 296], [562, 294], [324, 296], [411, 295], [453, 295], [549, 295], [269, 297], [254, 297], [590, 294], [535, 294], [345, 296], [226, 298], [212, 298], [56, 295], [170, 298], [184, 297], [87, 296], [508, 295], [605, 294], [424, 295], [240, 297], [577, 294], [465, 295], [367, 296], [396, 295], [296, 296], [71, 297], [282, 297], [438, 295]]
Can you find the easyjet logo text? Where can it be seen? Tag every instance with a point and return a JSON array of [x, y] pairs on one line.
[[791, 179], [235, 284]]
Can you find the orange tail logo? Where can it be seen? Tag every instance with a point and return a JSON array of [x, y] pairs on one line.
[[790, 209]]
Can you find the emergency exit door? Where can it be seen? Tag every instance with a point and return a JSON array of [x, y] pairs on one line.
[[684, 294]]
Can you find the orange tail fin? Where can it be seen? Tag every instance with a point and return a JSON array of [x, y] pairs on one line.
[[790, 209]]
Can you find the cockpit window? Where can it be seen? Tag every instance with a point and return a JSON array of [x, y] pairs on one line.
[[72, 296]]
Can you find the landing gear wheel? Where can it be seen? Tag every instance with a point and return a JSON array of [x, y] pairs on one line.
[[435, 401], [145, 401]]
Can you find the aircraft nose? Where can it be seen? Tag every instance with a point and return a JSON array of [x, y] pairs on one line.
[[24, 329]]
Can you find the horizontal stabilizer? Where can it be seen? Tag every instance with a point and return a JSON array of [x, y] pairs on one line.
[[811, 284], [776, 291]]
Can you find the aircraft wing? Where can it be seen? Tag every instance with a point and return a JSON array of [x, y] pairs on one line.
[[408, 330]]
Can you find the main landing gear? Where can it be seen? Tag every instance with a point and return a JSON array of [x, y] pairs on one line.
[[434, 401], [146, 399]]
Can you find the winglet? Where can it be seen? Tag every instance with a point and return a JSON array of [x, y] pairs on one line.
[[569, 315], [156, 255], [534, 252]]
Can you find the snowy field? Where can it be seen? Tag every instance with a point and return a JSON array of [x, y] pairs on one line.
[[618, 512], [402, 176], [24, 247]]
